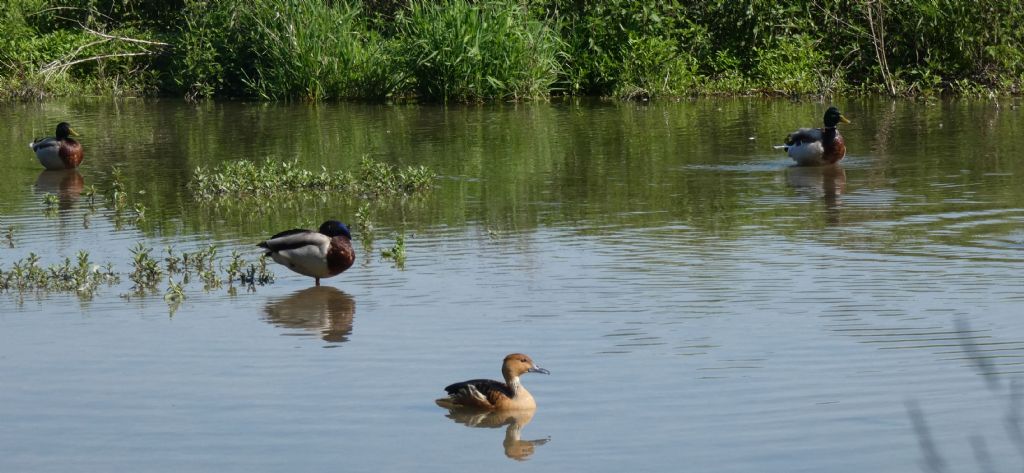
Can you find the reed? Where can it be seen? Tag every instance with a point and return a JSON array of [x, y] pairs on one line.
[[274, 49], [471, 51]]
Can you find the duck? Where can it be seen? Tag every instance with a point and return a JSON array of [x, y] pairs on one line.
[[818, 146], [488, 394], [59, 152], [319, 254]]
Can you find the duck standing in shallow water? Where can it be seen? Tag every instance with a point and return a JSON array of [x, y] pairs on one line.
[[60, 152], [320, 254], [818, 146], [495, 395]]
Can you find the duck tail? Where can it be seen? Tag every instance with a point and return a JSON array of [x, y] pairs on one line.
[[785, 147]]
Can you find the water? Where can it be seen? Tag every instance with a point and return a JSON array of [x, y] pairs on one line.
[[701, 305]]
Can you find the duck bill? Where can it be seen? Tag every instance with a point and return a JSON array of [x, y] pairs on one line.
[[537, 369], [844, 119], [72, 132]]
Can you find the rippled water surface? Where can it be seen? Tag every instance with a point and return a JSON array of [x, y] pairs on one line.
[[701, 305]]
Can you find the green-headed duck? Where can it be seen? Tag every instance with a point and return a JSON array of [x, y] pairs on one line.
[[818, 146], [60, 152], [321, 254]]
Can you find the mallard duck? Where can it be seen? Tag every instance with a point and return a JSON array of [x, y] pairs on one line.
[[321, 254], [818, 146], [495, 395], [60, 152]]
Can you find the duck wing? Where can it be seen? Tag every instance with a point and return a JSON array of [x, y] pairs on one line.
[[42, 143], [294, 239], [478, 392], [804, 135]]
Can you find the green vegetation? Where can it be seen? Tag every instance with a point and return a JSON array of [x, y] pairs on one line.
[[396, 253], [472, 50], [247, 179], [82, 277]]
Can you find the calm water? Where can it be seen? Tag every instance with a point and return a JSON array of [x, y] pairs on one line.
[[701, 305]]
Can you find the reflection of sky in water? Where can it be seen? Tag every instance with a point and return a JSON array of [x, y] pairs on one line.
[[699, 302]]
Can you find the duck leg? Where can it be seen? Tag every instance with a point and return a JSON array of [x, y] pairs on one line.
[[317, 282]]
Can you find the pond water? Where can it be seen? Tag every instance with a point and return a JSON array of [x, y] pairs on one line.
[[701, 305]]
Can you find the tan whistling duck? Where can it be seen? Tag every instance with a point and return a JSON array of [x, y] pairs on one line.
[[59, 152], [818, 146], [321, 254], [495, 395]]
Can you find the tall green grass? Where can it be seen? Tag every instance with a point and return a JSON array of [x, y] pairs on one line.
[[469, 51], [276, 49], [473, 50]]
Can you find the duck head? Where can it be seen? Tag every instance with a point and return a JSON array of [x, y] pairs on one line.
[[833, 117], [517, 364], [333, 228], [64, 130]]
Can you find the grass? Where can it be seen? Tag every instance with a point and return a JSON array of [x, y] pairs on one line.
[[471, 51], [481, 50]]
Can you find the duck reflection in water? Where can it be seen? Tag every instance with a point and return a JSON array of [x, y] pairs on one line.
[[67, 184], [322, 309], [515, 447], [825, 182]]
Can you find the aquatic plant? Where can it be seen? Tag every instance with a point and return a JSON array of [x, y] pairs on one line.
[[118, 191], [175, 292], [257, 274], [140, 212], [85, 277], [82, 277], [244, 178], [51, 201], [362, 216], [9, 236], [396, 253], [146, 272], [90, 192]]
